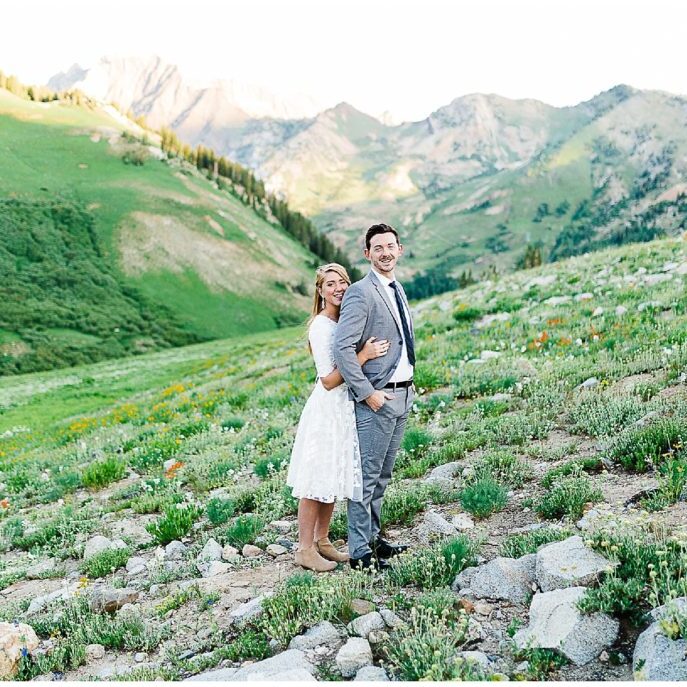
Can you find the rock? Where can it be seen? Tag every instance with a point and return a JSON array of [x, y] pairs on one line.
[[95, 652], [445, 474], [588, 520], [371, 674], [104, 599], [15, 641], [39, 570], [589, 383], [230, 554], [322, 633], [175, 551], [290, 665], [489, 355], [275, 550], [136, 565], [362, 606], [251, 551], [482, 608], [221, 675], [568, 563], [283, 526], [62, 594], [377, 636], [620, 310], [656, 656], [434, 526], [556, 623], [363, 625], [647, 419], [353, 655], [501, 578], [598, 311], [96, 545], [211, 552], [248, 610], [168, 464], [391, 619], [139, 657], [214, 568], [475, 657], [462, 522], [584, 297]]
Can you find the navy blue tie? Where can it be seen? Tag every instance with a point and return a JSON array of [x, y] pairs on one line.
[[404, 323]]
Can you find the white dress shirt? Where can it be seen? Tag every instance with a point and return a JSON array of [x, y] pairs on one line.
[[404, 371]]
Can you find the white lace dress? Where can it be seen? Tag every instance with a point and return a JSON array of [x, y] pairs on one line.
[[325, 460]]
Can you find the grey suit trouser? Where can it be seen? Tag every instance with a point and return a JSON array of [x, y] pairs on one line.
[[379, 435]]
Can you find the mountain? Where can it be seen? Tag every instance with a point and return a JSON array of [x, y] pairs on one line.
[[478, 180], [158, 90], [109, 248]]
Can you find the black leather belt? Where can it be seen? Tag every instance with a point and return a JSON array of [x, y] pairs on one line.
[[396, 385]]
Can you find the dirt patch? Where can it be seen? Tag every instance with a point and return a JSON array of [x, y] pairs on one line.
[[154, 243], [214, 224]]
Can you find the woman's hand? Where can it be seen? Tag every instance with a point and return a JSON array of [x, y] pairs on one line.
[[375, 349]]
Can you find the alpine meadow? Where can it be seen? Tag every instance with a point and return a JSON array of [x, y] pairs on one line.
[[158, 270]]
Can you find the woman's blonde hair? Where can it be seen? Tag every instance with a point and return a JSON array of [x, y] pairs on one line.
[[320, 273]]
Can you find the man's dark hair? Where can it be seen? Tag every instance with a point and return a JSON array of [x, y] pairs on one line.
[[379, 229]]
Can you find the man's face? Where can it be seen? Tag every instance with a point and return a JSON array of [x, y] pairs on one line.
[[384, 252]]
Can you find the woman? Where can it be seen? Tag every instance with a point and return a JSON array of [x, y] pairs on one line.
[[325, 461]]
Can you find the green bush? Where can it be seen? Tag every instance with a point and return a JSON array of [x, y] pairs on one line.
[[103, 472], [305, 599], [266, 467], [416, 442], [105, 562], [244, 530], [426, 647], [567, 497], [484, 497], [234, 422], [518, 545], [639, 448], [597, 414], [433, 566], [572, 467], [503, 467], [175, 523], [220, 510]]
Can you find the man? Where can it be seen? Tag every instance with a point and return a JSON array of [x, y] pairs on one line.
[[382, 388]]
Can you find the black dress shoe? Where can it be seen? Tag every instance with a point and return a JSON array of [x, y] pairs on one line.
[[383, 549], [369, 561]]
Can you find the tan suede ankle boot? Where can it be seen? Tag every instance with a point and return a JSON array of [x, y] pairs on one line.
[[327, 550], [310, 559]]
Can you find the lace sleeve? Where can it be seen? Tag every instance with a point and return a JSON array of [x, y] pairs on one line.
[[321, 339]]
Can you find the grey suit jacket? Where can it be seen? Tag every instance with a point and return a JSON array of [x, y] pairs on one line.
[[367, 311]]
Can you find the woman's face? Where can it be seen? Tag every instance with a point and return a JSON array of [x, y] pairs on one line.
[[333, 288]]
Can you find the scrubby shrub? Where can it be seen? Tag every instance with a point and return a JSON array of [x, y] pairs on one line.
[[244, 530], [105, 562], [434, 566], [483, 497], [265, 467], [572, 467], [234, 422], [426, 647], [568, 497], [518, 545], [101, 473], [503, 467], [597, 414], [306, 599], [220, 510], [638, 448], [175, 523]]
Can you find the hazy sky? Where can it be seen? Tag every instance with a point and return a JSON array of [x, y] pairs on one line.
[[402, 56]]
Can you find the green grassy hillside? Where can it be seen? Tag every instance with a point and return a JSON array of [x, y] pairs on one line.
[[542, 396], [107, 249]]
